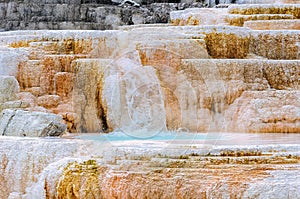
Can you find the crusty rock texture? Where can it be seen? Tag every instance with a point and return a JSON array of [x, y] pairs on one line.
[[87, 14], [81, 169], [266, 112], [209, 77]]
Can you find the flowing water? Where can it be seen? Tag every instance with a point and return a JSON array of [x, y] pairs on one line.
[[134, 99]]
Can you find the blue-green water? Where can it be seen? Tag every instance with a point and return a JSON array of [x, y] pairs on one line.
[[162, 136], [207, 138]]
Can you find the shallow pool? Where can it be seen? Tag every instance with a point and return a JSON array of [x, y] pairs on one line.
[[207, 138]]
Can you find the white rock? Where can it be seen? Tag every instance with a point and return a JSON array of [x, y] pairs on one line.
[[9, 86], [14, 105], [32, 124], [9, 60]]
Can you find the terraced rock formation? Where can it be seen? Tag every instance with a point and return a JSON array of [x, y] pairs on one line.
[[197, 74], [200, 78], [131, 169]]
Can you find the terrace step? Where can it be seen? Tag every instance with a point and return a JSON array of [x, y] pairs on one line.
[[276, 44], [250, 9], [239, 20], [273, 24]]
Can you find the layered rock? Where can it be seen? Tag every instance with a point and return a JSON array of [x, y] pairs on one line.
[[26, 158], [265, 9], [200, 72], [266, 112], [273, 24], [54, 75], [136, 170], [9, 94], [239, 20], [196, 16], [236, 14], [230, 78], [93, 15], [278, 44], [194, 98]]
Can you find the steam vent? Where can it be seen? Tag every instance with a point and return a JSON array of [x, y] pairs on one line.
[[105, 99]]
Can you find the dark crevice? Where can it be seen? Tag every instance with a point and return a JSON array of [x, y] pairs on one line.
[[9, 121], [82, 121], [104, 121], [100, 113]]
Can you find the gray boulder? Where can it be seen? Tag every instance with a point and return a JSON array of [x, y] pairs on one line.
[[31, 124]]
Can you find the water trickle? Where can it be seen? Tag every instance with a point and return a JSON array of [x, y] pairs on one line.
[[134, 99], [218, 103], [214, 84]]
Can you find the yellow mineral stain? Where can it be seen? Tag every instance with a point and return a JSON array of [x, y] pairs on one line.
[[220, 45], [21, 44], [83, 46], [79, 180]]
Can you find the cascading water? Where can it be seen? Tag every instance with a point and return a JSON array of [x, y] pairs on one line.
[[134, 99]]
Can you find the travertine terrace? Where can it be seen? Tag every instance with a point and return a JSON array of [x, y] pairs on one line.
[[230, 75]]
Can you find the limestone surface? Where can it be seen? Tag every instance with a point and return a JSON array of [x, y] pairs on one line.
[[151, 89], [146, 169]]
